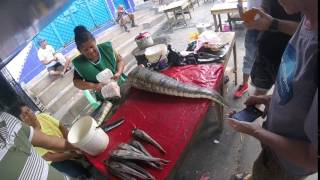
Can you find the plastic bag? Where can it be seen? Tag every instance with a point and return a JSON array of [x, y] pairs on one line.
[[111, 90], [207, 37], [104, 76]]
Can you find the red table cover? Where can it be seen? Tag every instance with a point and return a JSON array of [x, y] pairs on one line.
[[170, 120]]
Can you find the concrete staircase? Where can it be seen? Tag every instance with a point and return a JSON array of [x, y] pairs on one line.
[[64, 101]]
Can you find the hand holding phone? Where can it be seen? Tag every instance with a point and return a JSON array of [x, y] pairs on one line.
[[248, 114]]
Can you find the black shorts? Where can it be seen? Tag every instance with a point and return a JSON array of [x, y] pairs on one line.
[[264, 71], [54, 67]]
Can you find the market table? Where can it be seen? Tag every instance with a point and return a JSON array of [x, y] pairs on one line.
[[181, 6], [172, 121], [224, 8]]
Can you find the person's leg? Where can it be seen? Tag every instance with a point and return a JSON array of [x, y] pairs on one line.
[[64, 61], [131, 17], [248, 60], [263, 75], [71, 168], [53, 71], [123, 23]]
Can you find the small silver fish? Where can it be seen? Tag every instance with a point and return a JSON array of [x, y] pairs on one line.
[[128, 147], [130, 155]]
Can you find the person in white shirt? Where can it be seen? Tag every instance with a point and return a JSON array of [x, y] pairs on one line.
[[56, 63]]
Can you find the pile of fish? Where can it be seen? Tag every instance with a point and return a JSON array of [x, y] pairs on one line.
[[125, 161], [147, 80]]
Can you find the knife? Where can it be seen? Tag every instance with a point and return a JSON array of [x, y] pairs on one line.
[[112, 125]]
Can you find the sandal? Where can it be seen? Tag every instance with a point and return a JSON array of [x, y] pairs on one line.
[[241, 176]]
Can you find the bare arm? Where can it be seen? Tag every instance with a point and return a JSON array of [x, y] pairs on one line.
[[83, 85], [46, 61], [296, 151], [63, 130], [265, 20], [58, 156], [40, 139], [299, 152], [120, 65]]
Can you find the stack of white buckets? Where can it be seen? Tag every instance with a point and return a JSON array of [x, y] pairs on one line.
[[87, 136]]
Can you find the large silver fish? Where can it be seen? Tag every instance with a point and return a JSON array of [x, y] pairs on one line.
[[146, 137], [144, 79], [130, 155]]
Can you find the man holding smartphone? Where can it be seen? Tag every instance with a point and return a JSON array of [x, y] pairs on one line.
[[289, 135]]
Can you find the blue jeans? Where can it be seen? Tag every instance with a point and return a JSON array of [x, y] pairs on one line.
[[250, 44], [71, 168]]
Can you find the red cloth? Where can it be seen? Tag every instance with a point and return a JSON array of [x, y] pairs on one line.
[[169, 120]]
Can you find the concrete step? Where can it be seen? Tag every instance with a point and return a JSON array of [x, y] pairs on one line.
[[116, 30], [147, 22], [35, 86], [49, 93], [62, 98], [65, 101], [127, 46], [73, 109]]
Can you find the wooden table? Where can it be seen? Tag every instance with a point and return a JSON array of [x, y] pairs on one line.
[[177, 7], [224, 8], [228, 37]]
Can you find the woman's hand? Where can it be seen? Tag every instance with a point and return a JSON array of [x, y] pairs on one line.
[[262, 23], [97, 87], [257, 100], [116, 76]]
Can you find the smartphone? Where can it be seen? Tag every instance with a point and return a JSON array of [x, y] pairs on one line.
[[248, 114]]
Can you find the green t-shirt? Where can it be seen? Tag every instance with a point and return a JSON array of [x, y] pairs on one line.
[[18, 158]]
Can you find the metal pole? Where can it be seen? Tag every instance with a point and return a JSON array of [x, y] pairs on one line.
[[18, 89]]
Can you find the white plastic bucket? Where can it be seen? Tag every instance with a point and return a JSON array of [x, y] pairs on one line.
[[85, 135], [144, 40], [156, 53]]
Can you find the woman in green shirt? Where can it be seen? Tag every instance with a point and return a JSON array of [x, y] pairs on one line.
[[94, 59]]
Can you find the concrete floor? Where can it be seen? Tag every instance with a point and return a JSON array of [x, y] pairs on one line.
[[207, 158]]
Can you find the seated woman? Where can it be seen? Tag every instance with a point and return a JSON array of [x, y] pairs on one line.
[[123, 17], [94, 59], [62, 161]]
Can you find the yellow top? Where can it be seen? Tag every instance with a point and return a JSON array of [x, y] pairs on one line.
[[49, 126]]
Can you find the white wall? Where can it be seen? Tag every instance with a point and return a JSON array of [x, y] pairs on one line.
[[137, 2]]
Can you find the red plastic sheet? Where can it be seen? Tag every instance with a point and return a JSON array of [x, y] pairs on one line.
[[170, 120]]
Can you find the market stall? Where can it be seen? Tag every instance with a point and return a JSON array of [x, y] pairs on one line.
[[171, 121]]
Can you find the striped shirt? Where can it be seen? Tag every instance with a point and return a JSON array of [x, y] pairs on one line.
[[18, 159]]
